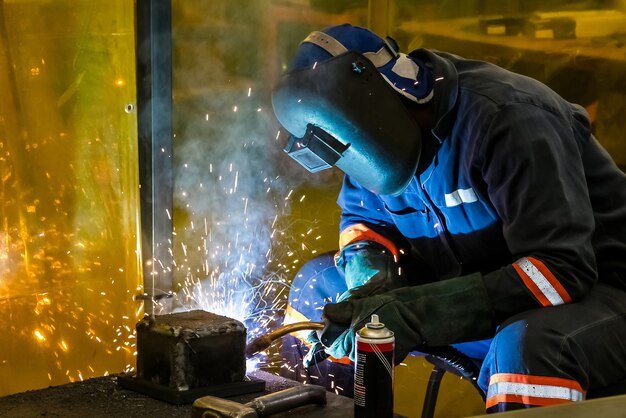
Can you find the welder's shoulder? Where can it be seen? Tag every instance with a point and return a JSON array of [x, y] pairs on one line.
[[494, 87]]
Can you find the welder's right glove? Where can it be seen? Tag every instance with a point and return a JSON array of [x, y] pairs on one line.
[[369, 269], [434, 314]]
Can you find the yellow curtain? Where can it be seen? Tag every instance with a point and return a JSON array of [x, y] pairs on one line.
[[69, 192]]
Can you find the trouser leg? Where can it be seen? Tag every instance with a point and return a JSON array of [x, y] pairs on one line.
[[476, 350], [554, 355]]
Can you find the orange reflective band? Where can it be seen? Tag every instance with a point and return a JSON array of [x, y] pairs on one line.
[[526, 400], [530, 285], [541, 282], [556, 284], [532, 390], [537, 380], [360, 232]]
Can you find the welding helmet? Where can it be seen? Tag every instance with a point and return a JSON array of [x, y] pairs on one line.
[[341, 103]]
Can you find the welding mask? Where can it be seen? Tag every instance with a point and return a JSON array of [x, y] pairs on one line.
[[343, 109]]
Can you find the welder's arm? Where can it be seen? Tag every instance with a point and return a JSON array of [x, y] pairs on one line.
[[368, 268], [535, 179], [371, 246], [434, 314], [368, 257]]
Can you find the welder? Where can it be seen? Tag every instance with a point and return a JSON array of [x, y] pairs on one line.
[[477, 206]]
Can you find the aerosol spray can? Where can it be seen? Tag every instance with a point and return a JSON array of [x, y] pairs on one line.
[[373, 373]]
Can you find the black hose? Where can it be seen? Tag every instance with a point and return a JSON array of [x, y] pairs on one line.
[[450, 359]]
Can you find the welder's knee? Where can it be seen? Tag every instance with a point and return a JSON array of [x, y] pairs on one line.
[[532, 341], [524, 337], [532, 352]]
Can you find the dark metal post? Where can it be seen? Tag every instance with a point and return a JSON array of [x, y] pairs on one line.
[[154, 118]]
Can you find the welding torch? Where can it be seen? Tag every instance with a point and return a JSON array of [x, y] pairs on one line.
[[264, 341]]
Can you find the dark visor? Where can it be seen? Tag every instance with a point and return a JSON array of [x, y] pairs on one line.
[[317, 150]]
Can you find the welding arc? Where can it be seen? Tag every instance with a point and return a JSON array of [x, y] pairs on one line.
[[264, 341]]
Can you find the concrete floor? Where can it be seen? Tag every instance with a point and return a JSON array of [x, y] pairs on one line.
[[103, 398]]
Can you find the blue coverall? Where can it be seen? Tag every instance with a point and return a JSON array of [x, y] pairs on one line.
[[520, 190]]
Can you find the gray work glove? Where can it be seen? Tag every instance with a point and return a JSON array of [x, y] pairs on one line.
[[434, 314]]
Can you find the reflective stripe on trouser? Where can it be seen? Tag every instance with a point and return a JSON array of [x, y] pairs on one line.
[[555, 354], [532, 390]]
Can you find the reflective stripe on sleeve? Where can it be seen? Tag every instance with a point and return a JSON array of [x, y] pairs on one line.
[[360, 232], [532, 390], [541, 282]]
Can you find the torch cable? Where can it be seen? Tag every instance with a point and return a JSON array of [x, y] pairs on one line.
[[264, 341]]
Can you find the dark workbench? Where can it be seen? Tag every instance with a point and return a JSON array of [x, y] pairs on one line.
[[102, 397]]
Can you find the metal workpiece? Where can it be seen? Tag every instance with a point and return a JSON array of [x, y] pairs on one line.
[[199, 353], [190, 349], [186, 355], [263, 406], [191, 324]]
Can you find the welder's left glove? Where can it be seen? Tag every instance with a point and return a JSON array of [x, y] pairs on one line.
[[317, 352], [434, 314], [368, 268]]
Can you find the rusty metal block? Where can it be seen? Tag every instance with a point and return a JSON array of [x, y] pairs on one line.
[[191, 350]]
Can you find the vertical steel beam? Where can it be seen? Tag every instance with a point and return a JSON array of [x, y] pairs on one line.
[[154, 119]]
